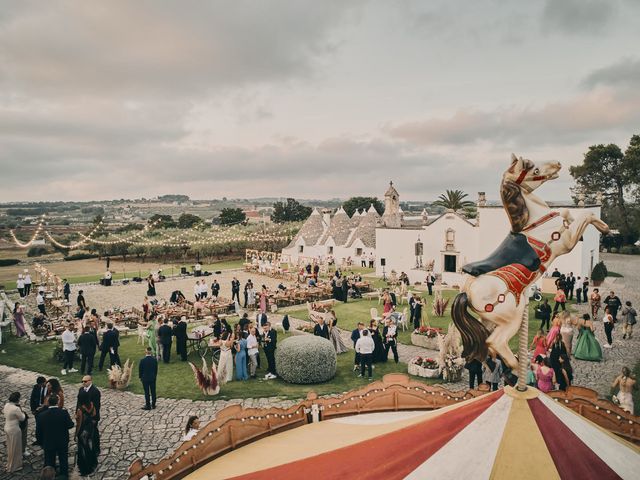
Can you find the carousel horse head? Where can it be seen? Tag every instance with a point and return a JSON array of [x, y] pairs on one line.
[[528, 175]]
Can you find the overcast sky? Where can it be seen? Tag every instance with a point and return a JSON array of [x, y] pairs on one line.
[[102, 100]]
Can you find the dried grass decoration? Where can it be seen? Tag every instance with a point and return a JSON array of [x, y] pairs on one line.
[[440, 304], [119, 377], [206, 380]]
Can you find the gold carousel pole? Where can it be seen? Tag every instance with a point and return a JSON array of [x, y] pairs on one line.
[[523, 350]]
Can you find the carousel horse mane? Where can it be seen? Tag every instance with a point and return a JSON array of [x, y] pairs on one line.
[[514, 205]]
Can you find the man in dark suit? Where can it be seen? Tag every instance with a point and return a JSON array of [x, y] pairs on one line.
[[93, 392], [88, 345], [235, 290], [66, 290], [261, 319], [165, 333], [180, 332], [80, 301], [321, 329], [38, 394], [270, 343], [148, 372], [215, 289], [110, 344], [55, 423]]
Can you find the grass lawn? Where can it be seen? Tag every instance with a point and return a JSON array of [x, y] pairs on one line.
[[120, 270], [354, 311], [176, 380]]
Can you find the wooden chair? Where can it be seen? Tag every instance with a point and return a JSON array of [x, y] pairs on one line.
[[403, 319], [374, 315]]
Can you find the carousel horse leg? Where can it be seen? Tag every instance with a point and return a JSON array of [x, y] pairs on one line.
[[507, 325]]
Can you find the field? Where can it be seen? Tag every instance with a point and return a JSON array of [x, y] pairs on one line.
[[176, 380]]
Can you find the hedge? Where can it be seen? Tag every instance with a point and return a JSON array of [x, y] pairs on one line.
[[80, 256], [7, 262], [306, 359]]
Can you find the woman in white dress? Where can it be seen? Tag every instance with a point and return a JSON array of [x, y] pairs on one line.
[[251, 296], [334, 333], [625, 382], [225, 364], [13, 415]]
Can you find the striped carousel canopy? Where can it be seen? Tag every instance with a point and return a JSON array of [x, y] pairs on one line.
[[502, 435]]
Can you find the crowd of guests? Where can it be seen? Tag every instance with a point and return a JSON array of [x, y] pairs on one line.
[[52, 424]]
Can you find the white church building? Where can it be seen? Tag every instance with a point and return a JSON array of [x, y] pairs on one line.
[[414, 245], [449, 241]]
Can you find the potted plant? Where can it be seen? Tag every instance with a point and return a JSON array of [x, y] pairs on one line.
[[598, 274], [423, 367], [426, 337]]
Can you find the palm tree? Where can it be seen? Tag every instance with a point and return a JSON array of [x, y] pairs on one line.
[[453, 200]]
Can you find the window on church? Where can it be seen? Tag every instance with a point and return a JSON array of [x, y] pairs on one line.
[[300, 248], [358, 252], [450, 263], [330, 250]]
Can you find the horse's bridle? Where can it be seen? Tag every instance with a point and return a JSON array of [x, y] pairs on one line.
[[535, 178]]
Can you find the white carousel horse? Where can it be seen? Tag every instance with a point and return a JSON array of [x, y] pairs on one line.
[[496, 286]]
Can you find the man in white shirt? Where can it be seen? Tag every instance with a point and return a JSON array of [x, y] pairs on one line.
[[20, 285], [68, 349], [196, 290], [40, 303], [204, 289], [27, 283], [365, 347], [107, 278], [197, 269]]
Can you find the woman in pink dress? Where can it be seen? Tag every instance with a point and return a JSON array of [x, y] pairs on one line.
[[556, 323], [540, 344], [263, 299], [18, 318], [545, 376], [387, 303]]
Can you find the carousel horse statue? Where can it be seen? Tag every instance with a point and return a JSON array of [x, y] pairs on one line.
[[496, 286]]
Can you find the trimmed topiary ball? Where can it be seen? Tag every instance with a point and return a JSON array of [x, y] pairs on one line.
[[306, 359]]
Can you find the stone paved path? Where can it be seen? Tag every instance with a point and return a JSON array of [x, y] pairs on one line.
[[126, 430]]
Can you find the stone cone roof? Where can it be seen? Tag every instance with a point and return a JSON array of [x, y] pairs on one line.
[[339, 229], [366, 230], [311, 230]]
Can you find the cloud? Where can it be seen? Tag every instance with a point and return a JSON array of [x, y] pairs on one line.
[[578, 16], [145, 48], [559, 122], [625, 73]]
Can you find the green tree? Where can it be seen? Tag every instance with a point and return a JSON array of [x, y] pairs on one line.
[[164, 221], [231, 216], [187, 220], [362, 203], [453, 200], [291, 211], [616, 175]]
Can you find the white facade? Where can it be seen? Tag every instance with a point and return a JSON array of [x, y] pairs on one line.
[[451, 241]]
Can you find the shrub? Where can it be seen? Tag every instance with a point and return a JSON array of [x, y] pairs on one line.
[[80, 256], [613, 250], [7, 262], [630, 250], [37, 251], [306, 359], [599, 272]]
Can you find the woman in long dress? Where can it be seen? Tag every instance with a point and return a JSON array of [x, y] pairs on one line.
[[263, 299], [595, 300], [18, 319], [625, 382], [587, 346], [540, 344], [251, 296], [13, 415], [378, 351], [225, 364], [545, 376], [151, 335], [241, 358], [87, 434], [151, 286], [554, 331], [566, 332], [334, 334]]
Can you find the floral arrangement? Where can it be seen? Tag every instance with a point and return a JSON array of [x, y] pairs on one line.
[[429, 332], [206, 380], [305, 327], [424, 367], [439, 306], [119, 377], [450, 358]]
